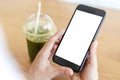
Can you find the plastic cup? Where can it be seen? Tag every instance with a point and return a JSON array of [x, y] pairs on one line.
[[35, 41]]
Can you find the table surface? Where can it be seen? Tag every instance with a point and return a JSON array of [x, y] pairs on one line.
[[13, 14]]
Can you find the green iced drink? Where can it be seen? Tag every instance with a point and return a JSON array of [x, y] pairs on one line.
[[35, 41]]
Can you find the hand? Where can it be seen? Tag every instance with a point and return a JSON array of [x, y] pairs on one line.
[[89, 72], [41, 68]]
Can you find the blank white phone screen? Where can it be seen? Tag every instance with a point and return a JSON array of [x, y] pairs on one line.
[[78, 37]]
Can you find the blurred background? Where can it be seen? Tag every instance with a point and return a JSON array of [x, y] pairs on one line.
[[115, 4]]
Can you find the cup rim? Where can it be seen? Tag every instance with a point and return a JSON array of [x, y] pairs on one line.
[[33, 34]]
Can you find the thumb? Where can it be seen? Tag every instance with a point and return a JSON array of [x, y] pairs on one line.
[[92, 58], [64, 71]]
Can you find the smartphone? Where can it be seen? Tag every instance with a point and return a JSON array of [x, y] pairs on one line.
[[81, 32]]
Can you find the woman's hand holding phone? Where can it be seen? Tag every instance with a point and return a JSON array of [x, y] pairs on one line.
[[41, 68], [90, 71]]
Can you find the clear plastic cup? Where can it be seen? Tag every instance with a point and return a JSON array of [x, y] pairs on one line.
[[35, 41]]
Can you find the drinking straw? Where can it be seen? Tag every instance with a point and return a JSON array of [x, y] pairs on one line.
[[38, 16]]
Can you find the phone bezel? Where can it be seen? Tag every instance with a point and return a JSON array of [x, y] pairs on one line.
[[63, 62]]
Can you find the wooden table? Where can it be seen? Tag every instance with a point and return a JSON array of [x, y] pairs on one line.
[[13, 14]]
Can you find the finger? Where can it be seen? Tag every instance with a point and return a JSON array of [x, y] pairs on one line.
[[53, 51], [46, 50], [92, 57], [55, 46]]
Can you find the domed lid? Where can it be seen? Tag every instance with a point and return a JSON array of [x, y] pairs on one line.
[[45, 29]]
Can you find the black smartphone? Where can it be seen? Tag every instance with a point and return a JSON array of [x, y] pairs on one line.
[[80, 33]]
